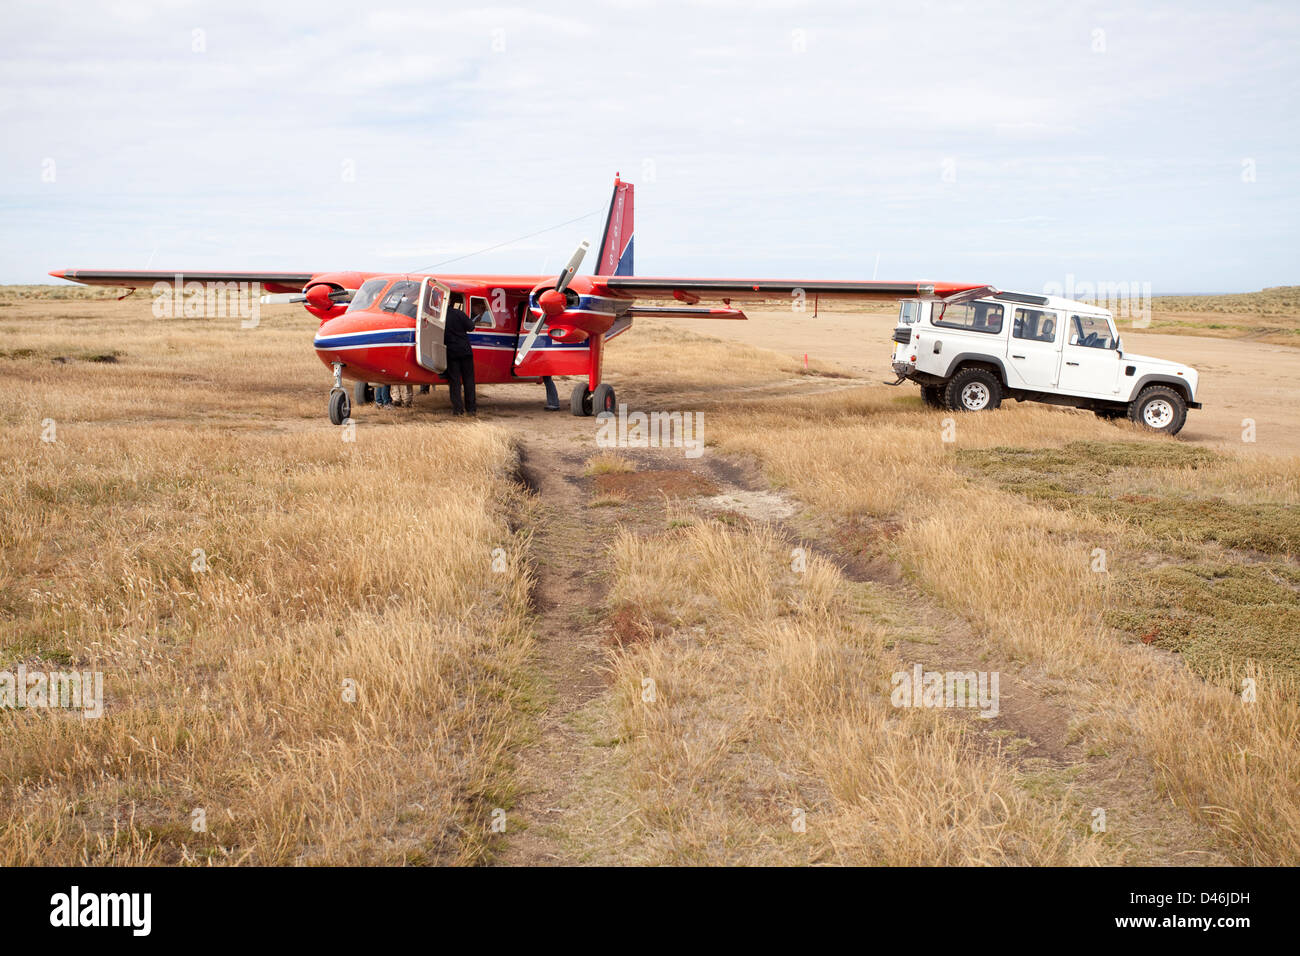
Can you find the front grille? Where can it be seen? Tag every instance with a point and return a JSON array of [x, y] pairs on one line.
[[903, 336]]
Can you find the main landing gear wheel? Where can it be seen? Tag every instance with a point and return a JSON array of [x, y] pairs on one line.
[[340, 406], [580, 400], [363, 393], [603, 400]]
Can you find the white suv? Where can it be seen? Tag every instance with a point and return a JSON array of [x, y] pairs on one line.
[[968, 356]]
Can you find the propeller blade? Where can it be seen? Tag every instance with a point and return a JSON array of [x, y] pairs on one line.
[[280, 298], [532, 337], [571, 269]]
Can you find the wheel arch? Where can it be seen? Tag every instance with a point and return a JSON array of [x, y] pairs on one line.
[[1178, 384], [991, 363]]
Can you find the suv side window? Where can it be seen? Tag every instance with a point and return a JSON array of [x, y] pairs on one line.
[[1090, 331], [1034, 325], [971, 316]]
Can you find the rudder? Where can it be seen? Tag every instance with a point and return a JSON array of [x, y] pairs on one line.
[[615, 258]]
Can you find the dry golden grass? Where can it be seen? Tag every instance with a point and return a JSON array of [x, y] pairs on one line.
[[345, 683], [331, 561], [770, 708], [607, 463], [1023, 575]]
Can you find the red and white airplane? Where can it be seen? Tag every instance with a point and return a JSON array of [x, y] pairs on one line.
[[387, 329]]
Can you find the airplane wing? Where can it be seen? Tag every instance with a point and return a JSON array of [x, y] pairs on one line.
[[274, 282], [691, 292]]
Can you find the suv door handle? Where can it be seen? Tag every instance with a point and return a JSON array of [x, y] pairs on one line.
[[1071, 363], [1018, 356]]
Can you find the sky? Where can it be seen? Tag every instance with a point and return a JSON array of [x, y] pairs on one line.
[[1023, 145]]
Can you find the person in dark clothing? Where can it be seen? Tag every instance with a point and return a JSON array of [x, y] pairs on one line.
[[552, 396], [460, 359]]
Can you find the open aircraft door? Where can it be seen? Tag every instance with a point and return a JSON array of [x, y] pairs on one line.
[[430, 321]]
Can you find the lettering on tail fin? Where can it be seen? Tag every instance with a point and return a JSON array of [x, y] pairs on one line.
[[615, 257]]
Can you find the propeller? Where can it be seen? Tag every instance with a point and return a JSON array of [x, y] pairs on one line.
[[552, 302], [318, 295]]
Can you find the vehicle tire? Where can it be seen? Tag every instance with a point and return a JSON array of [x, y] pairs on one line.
[[932, 395], [340, 406], [580, 400], [973, 390], [1159, 408], [603, 400], [362, 393]]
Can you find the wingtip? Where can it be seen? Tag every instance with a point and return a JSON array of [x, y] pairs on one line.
[[60, 273]]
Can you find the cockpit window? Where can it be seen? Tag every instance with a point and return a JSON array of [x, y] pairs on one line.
[[367, 294], [402, 297]]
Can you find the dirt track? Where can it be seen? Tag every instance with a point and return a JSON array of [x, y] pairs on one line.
[[1239, 378], [569, 810]]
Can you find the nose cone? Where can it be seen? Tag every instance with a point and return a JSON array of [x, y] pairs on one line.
[[371, 342], [551, 302]]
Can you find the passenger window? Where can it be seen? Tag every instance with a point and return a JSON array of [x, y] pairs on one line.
[[483, 319], [972, 316], [1034, 325], [1090, 331]]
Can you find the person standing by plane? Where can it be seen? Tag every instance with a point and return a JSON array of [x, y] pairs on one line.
[[460, 357]]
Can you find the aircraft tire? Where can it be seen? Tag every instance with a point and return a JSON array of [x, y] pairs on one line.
[[580, 400], [340, 407], [603, 400], [362, 393]]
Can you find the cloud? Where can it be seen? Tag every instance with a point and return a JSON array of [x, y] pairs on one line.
[[761, 138]]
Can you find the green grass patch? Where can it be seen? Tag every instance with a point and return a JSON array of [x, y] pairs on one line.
[[1098, 477], [1216, 612]]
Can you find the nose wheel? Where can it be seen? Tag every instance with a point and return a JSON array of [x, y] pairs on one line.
[[340, 406]]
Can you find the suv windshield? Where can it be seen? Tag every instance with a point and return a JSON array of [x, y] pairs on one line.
[[367, 294]]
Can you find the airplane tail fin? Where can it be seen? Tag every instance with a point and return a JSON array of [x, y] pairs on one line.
[[615, 258]]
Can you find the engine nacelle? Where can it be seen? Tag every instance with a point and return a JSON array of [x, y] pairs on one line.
[[320, 287]]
